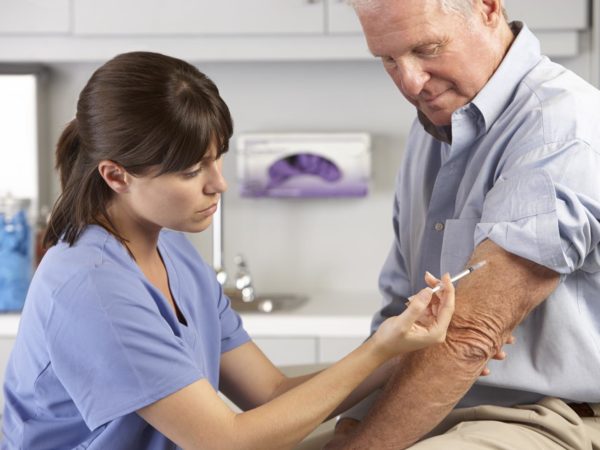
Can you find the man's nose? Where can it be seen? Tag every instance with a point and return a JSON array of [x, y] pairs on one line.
[[411, 77]]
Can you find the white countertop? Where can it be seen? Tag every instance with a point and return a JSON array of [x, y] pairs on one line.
[[333, 314]]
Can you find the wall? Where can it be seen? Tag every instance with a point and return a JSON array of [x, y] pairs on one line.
[[299, 245]]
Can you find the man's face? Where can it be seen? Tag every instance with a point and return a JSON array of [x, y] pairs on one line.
[[438, 60]]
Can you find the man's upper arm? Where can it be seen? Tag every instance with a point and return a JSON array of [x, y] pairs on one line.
[[495, 299]]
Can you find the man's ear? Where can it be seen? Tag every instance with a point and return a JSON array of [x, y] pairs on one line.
[[115, 176], [490, 11]]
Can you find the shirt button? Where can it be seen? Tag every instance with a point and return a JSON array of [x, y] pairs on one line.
[[439, 226]]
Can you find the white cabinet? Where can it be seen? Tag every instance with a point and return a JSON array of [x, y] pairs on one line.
[[230, 30], [34, 16], [292, 351], [332, 349], [197, 17], [288, 351], [323, 330], [341, 18], [540, 15], [557, 23], [550, 14]]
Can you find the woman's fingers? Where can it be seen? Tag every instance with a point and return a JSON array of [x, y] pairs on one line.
[[417, 305], [431, 280], [446, 307]]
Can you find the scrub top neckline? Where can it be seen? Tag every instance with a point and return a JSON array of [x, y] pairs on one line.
[[173, 281]]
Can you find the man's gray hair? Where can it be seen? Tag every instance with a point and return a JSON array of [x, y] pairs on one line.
[[462, 7]]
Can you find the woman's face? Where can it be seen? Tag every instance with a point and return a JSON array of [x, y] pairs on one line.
[[182, 201]]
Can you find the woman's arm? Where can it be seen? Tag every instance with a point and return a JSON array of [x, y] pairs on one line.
[[249, 379], [195, 417]]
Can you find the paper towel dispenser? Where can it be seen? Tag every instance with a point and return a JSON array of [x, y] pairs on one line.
[[304, 164]]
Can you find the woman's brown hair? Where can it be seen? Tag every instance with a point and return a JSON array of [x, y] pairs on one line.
[[140, 110]]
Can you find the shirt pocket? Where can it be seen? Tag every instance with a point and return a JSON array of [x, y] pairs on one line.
[[458, 244]]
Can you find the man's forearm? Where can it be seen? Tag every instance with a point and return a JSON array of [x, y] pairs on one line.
[[421, 393], [428, 384]]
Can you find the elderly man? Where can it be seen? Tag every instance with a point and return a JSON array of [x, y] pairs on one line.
[[501, 165]]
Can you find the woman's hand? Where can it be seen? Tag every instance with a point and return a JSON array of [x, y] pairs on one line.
[[423, 323]]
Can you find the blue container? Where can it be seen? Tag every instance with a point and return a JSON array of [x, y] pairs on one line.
[[15, 254]]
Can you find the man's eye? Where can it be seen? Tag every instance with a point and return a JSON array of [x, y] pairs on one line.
[[431, 50], [388, 60]]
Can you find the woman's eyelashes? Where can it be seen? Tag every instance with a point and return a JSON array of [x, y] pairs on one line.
[[192, 173]]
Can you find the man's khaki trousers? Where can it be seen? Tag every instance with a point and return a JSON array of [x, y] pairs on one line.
[[548, 425]]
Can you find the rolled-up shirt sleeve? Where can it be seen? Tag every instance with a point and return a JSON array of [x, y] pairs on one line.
[[548, 212]]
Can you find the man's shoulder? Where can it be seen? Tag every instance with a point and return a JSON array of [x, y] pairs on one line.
[[553, 84], [561, 104]]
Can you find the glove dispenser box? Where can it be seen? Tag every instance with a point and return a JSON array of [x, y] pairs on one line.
[[304, 165]]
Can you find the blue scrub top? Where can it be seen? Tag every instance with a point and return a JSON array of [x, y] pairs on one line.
[[97, 342]]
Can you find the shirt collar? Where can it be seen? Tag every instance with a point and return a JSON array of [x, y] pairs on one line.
[[443, 134], [522, 56]]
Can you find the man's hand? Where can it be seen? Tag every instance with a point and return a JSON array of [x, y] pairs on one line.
[[343, 429]]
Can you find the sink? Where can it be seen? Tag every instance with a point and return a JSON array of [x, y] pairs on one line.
[[265, 303]]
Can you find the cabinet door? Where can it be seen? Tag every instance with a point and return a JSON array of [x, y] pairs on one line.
[[538, 14], [341, 18], [6, 345], [550, 14], [160, 17], [332, 349], [34, 16], [289, 351]]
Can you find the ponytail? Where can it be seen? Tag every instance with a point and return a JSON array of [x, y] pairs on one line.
[[84, 194], [67, 151]]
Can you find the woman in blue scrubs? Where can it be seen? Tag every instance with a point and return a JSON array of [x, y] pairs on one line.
[[126, 336]]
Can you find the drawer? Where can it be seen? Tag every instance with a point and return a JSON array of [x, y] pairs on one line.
[[332, 349], [289, 350]]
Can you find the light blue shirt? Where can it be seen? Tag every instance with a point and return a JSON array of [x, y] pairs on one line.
[[97, 342], [522, 169]]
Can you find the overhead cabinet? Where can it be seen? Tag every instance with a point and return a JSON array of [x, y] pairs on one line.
[[34, 16], [558, 15], [231, 30], [557, 23], [197, 17], [341, 18]]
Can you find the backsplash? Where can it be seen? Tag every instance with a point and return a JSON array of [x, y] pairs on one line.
[[294, 245]]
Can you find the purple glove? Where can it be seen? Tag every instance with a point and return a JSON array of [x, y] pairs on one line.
[[302, 164]]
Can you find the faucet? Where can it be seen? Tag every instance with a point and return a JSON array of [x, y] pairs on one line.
[[243, 279], [242, 291]]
